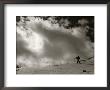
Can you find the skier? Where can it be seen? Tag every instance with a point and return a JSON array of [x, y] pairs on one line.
[[78, 59]]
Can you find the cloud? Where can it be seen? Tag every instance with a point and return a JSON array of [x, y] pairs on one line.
[[48, 43], [83, 21]]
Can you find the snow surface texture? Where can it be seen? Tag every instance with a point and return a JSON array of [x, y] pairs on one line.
[[46, 47]]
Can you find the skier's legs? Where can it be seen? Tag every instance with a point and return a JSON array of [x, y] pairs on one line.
[[77, 60]]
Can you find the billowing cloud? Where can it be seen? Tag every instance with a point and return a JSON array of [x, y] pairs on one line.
[[44, 42]]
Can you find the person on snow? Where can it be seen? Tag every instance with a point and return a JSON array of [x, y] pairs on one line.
[[78, 59]]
